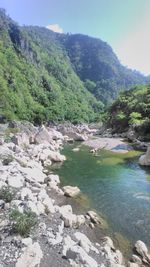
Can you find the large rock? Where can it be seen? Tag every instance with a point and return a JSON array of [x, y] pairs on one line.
[[78, 255], [46, 201], [34, 174], [145, 159], [43, 136], [94, 217], [21, 139], [70, 220], [55, 134], [31, 257], [71, 191], [84, 242], [142, 250], [15, 181]]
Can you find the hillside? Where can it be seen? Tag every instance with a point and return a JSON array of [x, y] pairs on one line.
[[55, 77], [98, 67], [132, 109], [37, 81]]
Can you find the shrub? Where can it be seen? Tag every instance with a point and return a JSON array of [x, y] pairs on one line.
[[6, 194], [23, 222], [135, 118]]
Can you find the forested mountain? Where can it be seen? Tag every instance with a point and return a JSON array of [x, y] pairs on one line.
[[97, 65], [48, 76], [132, 108]]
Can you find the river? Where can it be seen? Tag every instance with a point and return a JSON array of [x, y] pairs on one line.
[[115, 186]]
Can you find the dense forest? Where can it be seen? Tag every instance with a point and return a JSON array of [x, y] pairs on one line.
[[46, 76], [132, 109]]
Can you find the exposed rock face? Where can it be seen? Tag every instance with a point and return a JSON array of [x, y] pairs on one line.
[[145, 159], [71, 191], [31, 257]]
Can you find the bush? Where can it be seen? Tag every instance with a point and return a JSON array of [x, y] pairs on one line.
[[6, 194], [135, 118], [23, 222]]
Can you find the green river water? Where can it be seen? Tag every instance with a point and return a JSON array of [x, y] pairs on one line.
[[115, 186]]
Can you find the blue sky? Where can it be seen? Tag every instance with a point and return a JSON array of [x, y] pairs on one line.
[[124, 24]]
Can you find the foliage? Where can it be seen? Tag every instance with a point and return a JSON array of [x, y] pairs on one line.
[[135, 118], [131, 108], [98, 66], [45, 76], [23, 222], [6, 194]]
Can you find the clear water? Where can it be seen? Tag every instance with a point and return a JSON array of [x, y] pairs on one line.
[[116, 186]]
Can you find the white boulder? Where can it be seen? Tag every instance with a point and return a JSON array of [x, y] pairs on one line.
[[15, 181], [145, 159], [31, 257], [71, 191]]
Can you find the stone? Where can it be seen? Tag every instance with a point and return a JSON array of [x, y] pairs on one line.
[[34, 174], [15, 181], [32, 206], [49, 205], [80, 257], [40, 208], [145, 159], [67, 243], [94, 217], [65, 209], [27, 241], [42, 136], [53, 178], [142, 250], [31, 257], [56, 156], [108, 241], [71, 191], [26, 194], [133, 264], [76, 149], [80, 220], [55, 134], [84, 242], [136, 259], [21, 139], [70, 220]]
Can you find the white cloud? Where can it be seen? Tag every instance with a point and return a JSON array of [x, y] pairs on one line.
[[55, 28], [134, 51]]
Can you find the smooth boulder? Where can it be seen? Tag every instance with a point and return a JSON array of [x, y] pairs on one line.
[[71, 191], [145, 159]]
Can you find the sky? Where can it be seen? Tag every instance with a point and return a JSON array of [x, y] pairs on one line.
[[123, 24]]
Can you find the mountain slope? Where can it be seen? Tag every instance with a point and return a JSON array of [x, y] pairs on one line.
[[37, 81], [94, 60], [56, 77]]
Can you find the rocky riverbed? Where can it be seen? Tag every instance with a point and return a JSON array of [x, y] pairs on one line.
[[37, 228]]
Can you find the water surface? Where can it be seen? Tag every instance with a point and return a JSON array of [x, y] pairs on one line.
[[116, 186]]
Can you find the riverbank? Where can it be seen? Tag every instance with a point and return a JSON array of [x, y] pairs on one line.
[[59, 237]]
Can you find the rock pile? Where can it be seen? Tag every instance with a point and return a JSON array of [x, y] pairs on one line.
[[56, 236]]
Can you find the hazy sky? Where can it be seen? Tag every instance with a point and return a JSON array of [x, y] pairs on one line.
[[124, 24]]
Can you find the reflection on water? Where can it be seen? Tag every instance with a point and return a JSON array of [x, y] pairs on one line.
[[116, 186]]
